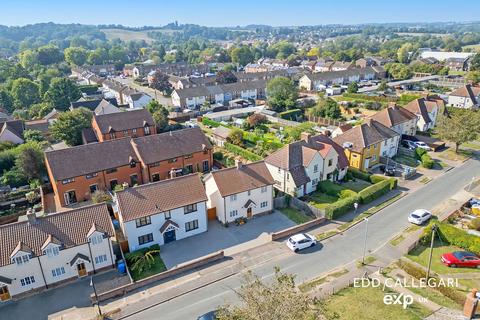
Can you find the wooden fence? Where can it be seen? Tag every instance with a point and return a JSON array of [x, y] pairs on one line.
[[325, 121]]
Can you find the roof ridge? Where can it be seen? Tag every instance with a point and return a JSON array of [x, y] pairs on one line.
[[150, 184]]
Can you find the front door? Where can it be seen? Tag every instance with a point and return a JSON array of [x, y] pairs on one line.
[[249, 212], [169, 236], [82, 271], [4, 293], [70, 197]]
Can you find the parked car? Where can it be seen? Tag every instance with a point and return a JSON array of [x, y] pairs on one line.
[[301, 241], [389, 171], [212, 315], [409, 144], [422, 145], [461, 259], [419, 216]]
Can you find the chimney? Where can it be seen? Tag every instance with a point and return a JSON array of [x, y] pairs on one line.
[[238, 164], [305, 136], [32, 218]]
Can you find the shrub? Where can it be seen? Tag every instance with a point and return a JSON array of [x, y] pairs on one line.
[[373, 192], [427, 161], [419, 152], [340, 207], [244, 153], [208, 122], [460, 238], [474, 224], [330, 188], [101, 196], [377, 178], [218, 156], [359, 174]]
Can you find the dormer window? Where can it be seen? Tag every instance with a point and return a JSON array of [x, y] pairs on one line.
[[112, 135], [52, 251], [21, 259], [96, 239], [146, 130]]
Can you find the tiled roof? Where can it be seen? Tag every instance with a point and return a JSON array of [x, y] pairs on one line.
[[249, 176], [70, 228], [126, 120], [168, 145], [157, 197], [393, 116], [14, 126], [361, 136], [92, 104], [422, 107], [467, 91], [221, 132]]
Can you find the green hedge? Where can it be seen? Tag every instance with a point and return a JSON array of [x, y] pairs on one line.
[[419, 152], [208, 122], [290, 114], [340, 207], [375, 178], [329, 188], [356, 173], [454, 236], [373, 192], [427, 161], [244, 153], [362, 96]]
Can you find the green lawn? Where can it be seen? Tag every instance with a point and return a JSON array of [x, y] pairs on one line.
[[295, 215], [367, 304], [312, 284], [321, 200], [421, 255], [357, 185], [435, 296], [450, 154], [474, 145], [158, 267]]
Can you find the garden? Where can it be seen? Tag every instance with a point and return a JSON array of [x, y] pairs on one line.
[[145, 262]]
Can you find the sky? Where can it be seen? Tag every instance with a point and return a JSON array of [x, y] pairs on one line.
[[236, 12]]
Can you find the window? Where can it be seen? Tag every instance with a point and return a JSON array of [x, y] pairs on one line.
[[249, 192], [101, 259], [315, 182], [27, 281], [91, 175], [134, 132], [233, 213], [67, 181], [93, 188], [112, 135], [155, 164], [330, 162], [264, 204], [111, 170], [191, 225], [97, 239], [264, 189], [155, 177], [205, 166], [188, 156], [22, 259], [145, 238], [172, 160], [190, 208], [52, 251], [374, 158], [233, 197], [143, 221], [146, 129], [57, 272], [168, 215], [279, 170], [133, 164], [133, 179], [125, 133], [315, 168], [113, 183], [189, 169], [288, 177]]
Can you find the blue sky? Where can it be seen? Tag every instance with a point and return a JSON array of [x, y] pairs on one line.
[[235, 12]]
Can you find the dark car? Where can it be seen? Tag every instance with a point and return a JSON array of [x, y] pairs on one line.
[[389, 171], [212, 315]]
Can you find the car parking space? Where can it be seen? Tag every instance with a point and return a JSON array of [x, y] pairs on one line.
[[219, 237]]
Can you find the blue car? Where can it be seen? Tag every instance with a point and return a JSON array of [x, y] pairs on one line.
[[212, 315]]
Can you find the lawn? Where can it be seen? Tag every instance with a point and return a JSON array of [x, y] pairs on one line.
[[312, 284], [321, 200], [295, 215], [357, 185], [421, 254], [156, 268], [435, 296], [474, 145], [449, 154], [367, 304]]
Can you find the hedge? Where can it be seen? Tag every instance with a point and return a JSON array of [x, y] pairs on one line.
[[453, 236], [362, 96], [375, 178], [209, 122], [427, 161], [419, 152], [239, 151], [359, 174], [329, 188], [374, 191], [291, 114], [340, 207]]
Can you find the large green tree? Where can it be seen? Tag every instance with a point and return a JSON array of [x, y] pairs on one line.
[[398, 70], [76, 55], [6, 100], [326, 108], [282, 94], [403, 54], [25, 92], [61, 93], [242, 55], [160, 82], [49, 54], [30, 160], [69, 126], [475, 62], [459, 126]]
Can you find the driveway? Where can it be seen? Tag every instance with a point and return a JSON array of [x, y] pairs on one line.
[[232, 239]]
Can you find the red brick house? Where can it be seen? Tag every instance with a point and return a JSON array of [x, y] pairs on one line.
[[77, 172]]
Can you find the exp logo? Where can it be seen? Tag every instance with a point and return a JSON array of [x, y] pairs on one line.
[[398, 298]]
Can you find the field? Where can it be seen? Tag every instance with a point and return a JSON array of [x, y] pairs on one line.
[[128, 35], [474, 47]]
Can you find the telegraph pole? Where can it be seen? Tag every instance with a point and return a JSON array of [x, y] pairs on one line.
[[434, 229]]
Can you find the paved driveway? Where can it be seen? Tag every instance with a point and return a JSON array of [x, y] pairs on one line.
[[234, 238]]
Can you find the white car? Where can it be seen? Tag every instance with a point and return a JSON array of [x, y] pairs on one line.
[[422, 145], [301, 241], [419, 216]]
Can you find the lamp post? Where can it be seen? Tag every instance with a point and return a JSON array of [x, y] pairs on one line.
[[92, 284], [365, 241]]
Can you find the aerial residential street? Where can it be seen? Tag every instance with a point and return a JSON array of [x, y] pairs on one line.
[[335, 252]]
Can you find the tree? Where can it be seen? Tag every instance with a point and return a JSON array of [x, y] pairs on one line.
[[33, 135], [314, 52], [284, 49], [13, 178], [269, 301], [6, 100], [97, 56], [160, 82], [39, 110], [69, 126], [459, 127], [475, 62], [326, 108], [255, 120], [224, 77], [235, 137], [281, 94], [61, 93], [352, 87], [403, 54], [398, 70], [30, 160], [142, 260], [49, 54], [473, 76], [25, 92], [28, 59], [100, 196], [383, 85], [76, 56], [241, 55]]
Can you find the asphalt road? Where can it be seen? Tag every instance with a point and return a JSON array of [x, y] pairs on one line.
[[335, 252]]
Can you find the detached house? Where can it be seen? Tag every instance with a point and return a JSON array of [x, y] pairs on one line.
[[45, 251], [240, 192], [77, 172], [426, 112], [12, 131], [298, 167], [399, 119], [162, 212], [466, 97]]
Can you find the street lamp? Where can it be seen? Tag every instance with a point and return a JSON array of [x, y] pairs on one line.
[[92, 284], [365, 242]]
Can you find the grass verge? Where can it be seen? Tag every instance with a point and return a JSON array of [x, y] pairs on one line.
[[312, 284], [368, 260]]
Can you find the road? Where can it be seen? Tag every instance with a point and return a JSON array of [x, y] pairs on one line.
[[399, 83], [335, 252], [166, 101]]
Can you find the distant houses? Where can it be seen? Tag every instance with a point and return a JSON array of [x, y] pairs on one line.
[[466, 97]]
